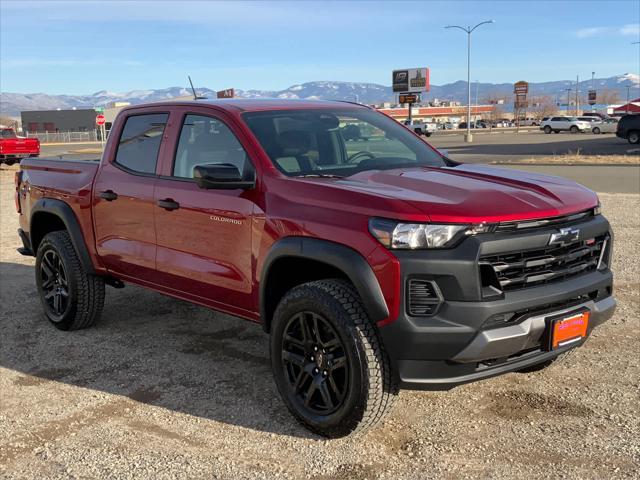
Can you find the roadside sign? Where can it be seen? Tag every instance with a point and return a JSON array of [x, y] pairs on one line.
[[100, 120], [409, 98], [411, 80], [99, 109], [521, 87], [592, 97], [228, 93]]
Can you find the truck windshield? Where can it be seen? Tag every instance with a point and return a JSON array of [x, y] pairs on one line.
[[7, 134], [327, 142]]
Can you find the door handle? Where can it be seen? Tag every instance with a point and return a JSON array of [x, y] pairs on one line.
[[168, 204], [108, 195]]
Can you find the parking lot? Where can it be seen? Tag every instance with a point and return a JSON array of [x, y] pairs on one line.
[[500, 146], [165, 389]]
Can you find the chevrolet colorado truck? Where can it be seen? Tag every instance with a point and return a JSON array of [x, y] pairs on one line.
[[373, 266], [13, 148]]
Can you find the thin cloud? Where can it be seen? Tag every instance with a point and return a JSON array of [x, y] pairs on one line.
[[630, 29]]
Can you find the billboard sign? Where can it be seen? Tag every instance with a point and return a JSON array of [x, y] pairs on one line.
[[411, 80], [409, 98], [228, 93], [592, 97]]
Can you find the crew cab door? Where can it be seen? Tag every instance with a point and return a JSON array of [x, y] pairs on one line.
[[123, 196], [204, 236]]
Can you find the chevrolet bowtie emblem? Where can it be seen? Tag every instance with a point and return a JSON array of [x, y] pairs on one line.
[[564, 236]]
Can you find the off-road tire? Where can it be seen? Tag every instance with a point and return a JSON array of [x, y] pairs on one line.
[[633, 136], [372, 388], [85, 291]]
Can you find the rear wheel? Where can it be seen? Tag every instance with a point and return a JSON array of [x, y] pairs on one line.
[[596, 130], [547, 129], [72, 298], [633, 136], [328, 362], [573, 129]]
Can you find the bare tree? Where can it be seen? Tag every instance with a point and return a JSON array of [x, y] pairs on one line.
[[541, 107], [498, 110], [8, 121]]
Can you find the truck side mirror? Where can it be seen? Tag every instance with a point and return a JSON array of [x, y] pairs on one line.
[[222, 176]]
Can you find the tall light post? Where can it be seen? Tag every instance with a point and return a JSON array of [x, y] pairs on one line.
[[469, 31]]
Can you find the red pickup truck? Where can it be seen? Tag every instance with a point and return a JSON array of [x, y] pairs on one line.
[[13, 148], [373, 265]]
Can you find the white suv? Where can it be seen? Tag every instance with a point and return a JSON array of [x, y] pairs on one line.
[[559, 124]]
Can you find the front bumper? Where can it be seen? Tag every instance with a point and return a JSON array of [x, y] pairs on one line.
[[457, 344]]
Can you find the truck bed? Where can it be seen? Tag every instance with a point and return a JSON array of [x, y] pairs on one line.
[[59, 175]]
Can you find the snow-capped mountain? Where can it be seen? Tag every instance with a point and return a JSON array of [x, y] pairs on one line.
[[11, 104]]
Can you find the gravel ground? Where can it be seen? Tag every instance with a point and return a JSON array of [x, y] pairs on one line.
[[164, 389]]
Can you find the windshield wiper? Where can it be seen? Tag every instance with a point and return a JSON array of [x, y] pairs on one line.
[[318, 175]]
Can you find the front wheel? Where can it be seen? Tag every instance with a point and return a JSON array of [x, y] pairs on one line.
[[71, 297], [573, 129], [328, 362], [547, 129], [633, 137], [596, 130]]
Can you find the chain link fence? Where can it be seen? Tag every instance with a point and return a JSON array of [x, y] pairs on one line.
[[65, 137]]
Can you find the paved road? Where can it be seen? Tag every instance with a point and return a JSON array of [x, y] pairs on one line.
[[487, 148]]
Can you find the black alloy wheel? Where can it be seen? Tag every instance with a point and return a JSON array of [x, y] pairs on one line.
[[315, 363], [55, 284]]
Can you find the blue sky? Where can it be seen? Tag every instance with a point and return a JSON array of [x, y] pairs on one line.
[[79, 47]]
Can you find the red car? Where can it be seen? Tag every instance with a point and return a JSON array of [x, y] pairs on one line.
[[373, 265], [13, 148]]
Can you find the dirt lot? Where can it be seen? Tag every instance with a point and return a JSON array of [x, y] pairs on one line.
[[164, 389]]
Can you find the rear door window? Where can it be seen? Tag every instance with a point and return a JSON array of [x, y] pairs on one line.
[[140, 142]]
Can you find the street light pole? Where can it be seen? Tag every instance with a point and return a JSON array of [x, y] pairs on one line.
[[469, 31]]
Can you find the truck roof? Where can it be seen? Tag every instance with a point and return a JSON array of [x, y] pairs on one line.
[[255, 104]]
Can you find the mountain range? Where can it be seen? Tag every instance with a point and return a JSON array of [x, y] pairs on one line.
[[11, 104]]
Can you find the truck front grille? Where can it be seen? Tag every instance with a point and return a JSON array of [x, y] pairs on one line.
[[528, 268]]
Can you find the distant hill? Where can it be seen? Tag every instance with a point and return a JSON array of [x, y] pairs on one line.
[[11, 104]]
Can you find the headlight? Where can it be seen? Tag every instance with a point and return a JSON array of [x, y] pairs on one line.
[[413, 236]]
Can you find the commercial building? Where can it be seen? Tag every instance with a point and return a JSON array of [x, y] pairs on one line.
[[53, 121]]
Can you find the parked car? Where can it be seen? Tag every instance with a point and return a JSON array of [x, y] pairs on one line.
[[629, 128], [449, 126], [588, 118], [14, 148], [610, 125], [422, 128], [569, 124], [528, 122], [371, 269], [597, 115]]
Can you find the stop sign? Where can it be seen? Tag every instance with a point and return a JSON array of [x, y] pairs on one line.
[[100, 120]]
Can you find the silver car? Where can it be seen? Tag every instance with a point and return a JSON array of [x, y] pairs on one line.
[[608, 125]]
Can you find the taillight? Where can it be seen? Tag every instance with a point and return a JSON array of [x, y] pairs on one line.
[[17, 180]]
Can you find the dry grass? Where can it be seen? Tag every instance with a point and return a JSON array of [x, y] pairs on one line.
[[577, 158]]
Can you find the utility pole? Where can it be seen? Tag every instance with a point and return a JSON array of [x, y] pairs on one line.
[[593, 87], [568, 94], [469, 31], [577, 92]]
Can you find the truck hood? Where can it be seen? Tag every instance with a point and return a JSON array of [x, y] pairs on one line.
[[475, 193]]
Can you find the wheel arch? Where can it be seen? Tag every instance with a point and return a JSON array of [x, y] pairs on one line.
[[313, 259], [50, 214]]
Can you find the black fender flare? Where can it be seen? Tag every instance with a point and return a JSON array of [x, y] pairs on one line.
[[339, 256], [64, 212]]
